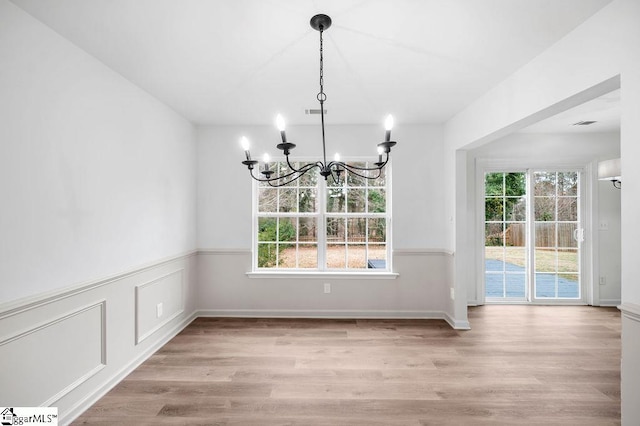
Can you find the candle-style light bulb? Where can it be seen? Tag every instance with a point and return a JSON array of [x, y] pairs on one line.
[[388, 125], [388, 122], [380, 151], [281, 126], [266, 159], [336, 158], [244, 142]]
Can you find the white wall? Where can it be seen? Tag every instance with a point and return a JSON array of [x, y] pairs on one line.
[[96, 176], [596, 57], [548, 150], [225, 226], [609, 244], [416, 161], [97, 221]]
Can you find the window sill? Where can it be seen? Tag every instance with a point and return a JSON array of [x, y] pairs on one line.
[[325, 275]]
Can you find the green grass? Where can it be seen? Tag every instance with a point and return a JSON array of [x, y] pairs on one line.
[[545, 258]]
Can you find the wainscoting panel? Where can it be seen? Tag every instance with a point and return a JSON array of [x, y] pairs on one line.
[[44, 374], [68, 348], [158, 302], [630, 386]]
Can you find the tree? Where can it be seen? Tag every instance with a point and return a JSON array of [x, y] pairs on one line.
[[271, 232], [504, 196]]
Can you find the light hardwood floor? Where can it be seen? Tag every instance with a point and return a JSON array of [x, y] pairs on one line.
[[519, 365]]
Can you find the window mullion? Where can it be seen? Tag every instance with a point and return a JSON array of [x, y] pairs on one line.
[[321, 225]]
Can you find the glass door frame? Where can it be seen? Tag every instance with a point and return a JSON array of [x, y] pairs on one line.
[[506, 226], [585, 174], [579, 243]]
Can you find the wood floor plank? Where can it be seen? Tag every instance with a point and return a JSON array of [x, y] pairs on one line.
[[354, 390], [181, 373], [518, 365]]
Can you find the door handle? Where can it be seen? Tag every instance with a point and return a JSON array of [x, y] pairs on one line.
[[578, 234]]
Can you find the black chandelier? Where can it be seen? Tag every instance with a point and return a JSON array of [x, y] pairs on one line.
[[333, 168]]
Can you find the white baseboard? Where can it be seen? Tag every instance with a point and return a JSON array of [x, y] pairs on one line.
[[334, 314], [321, 314], [457, 324], [609, 302], [630, 311]]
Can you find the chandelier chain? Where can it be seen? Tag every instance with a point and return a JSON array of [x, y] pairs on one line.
[[334, 168], [321, 96]]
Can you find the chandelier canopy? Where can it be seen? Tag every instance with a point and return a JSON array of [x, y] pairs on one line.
[[333, 168]]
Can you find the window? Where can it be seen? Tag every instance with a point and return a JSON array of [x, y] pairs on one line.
[[313, 224]]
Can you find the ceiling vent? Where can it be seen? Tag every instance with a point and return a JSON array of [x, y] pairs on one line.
[[584, 123], [313, 111]]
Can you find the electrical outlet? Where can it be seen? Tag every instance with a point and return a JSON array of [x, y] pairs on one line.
[[327, 288], [603, 280], [452, 293], [604, 225], [159, 310]]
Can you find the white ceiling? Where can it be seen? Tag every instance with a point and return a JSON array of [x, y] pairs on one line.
[[605, 111], [242, 61]]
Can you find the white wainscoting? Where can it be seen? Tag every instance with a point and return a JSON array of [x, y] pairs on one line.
[[421, 289], [158, 302], [68, 348], [630, 386], [44, 374]]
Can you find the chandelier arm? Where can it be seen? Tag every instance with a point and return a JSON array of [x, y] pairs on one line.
[[356, 170], [302, 169], [362, 175], [378, 165], [291, 165], [352, 168], [259, 179], [336, 180], [296, 176], [283, 180]]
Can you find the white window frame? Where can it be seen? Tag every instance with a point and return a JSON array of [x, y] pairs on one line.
[[321, 216]]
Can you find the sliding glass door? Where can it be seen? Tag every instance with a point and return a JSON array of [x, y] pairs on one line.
[[505, 235], [556, 235], [532, 236]]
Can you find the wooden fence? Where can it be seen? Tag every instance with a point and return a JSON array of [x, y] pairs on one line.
[[515, 235]]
